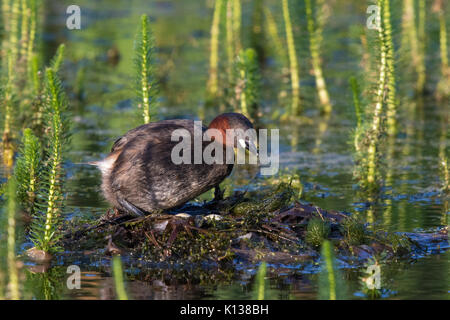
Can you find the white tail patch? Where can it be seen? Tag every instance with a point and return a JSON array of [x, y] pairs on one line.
[[106, 164]]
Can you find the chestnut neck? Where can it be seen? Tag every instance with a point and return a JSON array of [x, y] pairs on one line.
[[221, 123]]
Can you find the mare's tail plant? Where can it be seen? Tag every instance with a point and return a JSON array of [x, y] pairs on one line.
[[368, 140], [274, 38], [444, 84], [315, 38], [237, 22], [331, 286], [8, 110], [260, 282], [58, 58], [230, 40], [293, 61], [391, 101], [146, 84], [213, 82], [247, 84], [121, 293], [27, 171], [45, 227], [411, 41], [9, 272], [358, 111]]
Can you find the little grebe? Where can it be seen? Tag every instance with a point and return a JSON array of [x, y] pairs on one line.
[[139, 175]]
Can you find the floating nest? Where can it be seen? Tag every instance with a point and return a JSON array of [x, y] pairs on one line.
[[247, 228]]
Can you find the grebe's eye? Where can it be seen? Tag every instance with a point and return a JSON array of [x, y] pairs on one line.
[[243, 143]]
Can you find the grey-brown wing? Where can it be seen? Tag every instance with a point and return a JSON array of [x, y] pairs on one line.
[[153, 131]]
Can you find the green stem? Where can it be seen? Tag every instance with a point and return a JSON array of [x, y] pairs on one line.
[[144, 70], [213, 87], [391, 113], [328, 256], [118, 279], [358, 111], [260, 281], [53, 209], [409, 28], [14, 34], [237, 17], [376, 124], [11, 255], [30, 45], [295, 78], [230, 40], [25, 28], [322, 91], [275, 37]]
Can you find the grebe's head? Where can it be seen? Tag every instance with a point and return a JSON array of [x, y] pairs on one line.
[[236, 130]]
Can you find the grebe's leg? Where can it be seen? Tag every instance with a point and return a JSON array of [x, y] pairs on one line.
[[135, 211], [218, 194]]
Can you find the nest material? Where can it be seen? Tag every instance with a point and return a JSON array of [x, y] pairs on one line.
[[238, 230]]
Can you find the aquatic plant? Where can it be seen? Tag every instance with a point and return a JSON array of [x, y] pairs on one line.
[[410, 40], [443, 155], [6, 16], [274, 37], [14, 35], [8, 108], [378, 108], [331, 286], [369, 135], [233, 34], [257, 41], [237, 22], [315, 37], [354, 231], [358, 111], [391, 101], [57, 59], [421, 23], [213, 82], [317, 232], [443, 89], [118, 278], [48, 285], [293, 61], [248, 84], [27, 171], [260, 282], [30, 46], [44, 230], [230, 40], [146, 84], [9, 273]]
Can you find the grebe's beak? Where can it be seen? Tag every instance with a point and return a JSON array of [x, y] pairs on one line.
[[249, 145]]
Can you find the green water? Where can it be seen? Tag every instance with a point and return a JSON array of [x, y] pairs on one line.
[[320, 150]]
